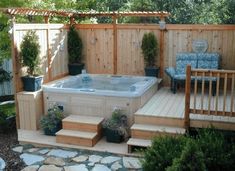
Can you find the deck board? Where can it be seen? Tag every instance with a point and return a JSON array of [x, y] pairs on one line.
[[166, 104]]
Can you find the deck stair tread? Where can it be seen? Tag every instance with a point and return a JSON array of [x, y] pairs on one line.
[[139, 142], [92, 120], [78, 134], [158, 128]]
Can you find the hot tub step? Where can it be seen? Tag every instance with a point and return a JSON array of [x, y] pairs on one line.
[[137, 143], [81, 138], [144, 131], [83, 123]]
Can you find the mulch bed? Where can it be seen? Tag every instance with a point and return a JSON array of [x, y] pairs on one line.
[[7, 142]]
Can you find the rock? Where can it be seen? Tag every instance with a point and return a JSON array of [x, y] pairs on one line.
[[62, 153], [18, 149], [54, 161], [43, 151], [110, 159], [80, 159], [95, 158], [31, 150], [30, 159], [131, 163], [80, 167], [91, 164], [2, 164], [31, 168], [116, 166], [49, 168], [100, 167]]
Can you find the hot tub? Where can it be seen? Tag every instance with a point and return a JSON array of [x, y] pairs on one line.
[[98, 95]]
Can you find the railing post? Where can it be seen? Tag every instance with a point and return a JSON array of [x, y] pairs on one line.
[[187, 97]]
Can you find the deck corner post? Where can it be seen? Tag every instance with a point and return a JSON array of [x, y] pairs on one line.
[[187, 97]]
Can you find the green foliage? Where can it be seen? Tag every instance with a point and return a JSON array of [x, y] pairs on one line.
[[30, 50], [149, 48], [162, 152], [53, 117], [191, 159], [216, 150], [4, 75], [210, 150], [7, 117], [74, 46], [118, 122]]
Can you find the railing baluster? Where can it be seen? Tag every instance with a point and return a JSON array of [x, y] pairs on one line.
[[195, 93], [187, 97], [210, 88], [232, 95], [203, 87], [217, 93], [225, 92]]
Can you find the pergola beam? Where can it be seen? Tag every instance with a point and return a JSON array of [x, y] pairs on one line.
[[116, 14]]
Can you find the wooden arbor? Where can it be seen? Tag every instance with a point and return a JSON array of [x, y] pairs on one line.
[[72, 15]]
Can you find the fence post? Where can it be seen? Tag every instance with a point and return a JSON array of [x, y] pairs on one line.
[[187, 97]]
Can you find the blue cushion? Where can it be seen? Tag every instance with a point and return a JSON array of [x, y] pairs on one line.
[[208, 60], [170, 71], [184, 59]]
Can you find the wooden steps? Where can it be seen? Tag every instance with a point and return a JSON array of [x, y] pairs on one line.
[[137, 142], [149, 131], [80, 130]]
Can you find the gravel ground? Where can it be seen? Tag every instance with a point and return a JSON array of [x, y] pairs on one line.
[[7, 141]]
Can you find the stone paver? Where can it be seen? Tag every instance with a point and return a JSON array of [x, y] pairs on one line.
[[116, 166], [31, 150], [62, 153], [80, 158], [100, 167], [54, 161], [31, 168], [131, 163], [80, 167], [30, 159], [18, 149], [49, 168], [95, 158], [2, 164], [110, 159], [43, 151]]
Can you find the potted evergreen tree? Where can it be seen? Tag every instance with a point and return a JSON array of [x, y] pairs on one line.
[[30, 50], [116, 128], [75, 46], [149, 49]]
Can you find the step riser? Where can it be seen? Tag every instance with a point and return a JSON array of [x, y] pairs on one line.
[[64, 139], [140, 119], [81, 127], [140, 134]]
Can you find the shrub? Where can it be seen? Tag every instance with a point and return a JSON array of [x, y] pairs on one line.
[[191, 159], [218, 153], [30, 50], [162, 152], [149, 48], [74, 46]]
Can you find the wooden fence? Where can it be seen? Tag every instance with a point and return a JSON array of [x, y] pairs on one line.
[[6, 88], [107, 51], [213, 93]]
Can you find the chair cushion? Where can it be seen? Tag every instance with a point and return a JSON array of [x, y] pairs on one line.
[[208, 60], [184, 59]]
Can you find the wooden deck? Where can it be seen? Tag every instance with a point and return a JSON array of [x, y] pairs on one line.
[[165, 104]]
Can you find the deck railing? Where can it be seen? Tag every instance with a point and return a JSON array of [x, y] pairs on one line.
[[209, 92]]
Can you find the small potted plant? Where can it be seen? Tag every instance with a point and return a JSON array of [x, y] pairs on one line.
[[116, 128], [149, 49], [75, 46], [52, 121], [30, 50]]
